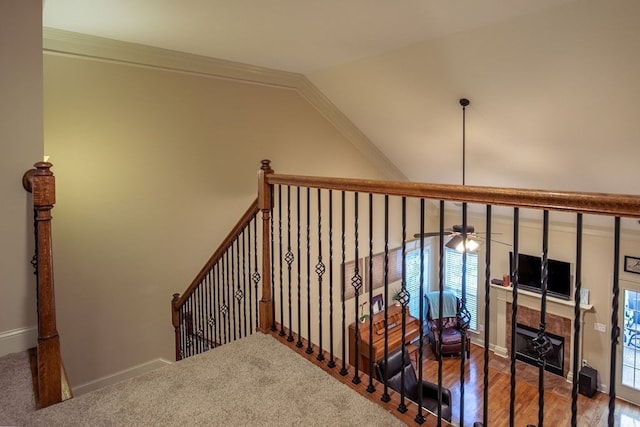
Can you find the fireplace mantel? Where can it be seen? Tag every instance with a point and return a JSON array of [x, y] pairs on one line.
[[559, 307]]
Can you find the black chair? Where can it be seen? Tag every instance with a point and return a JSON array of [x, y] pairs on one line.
[[396, 364]]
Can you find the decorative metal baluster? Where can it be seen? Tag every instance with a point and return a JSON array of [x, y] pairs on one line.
[[280, 257], [343, 285], [221, 331], [332, 362], [615, 330], [182, 351], [514, 316], [309, 349], [487, 305], [370, 388], [237, 292], [244, 282], [403, 298], [299, 330], [256, 274], [224, 309], [541, 343], [212, 304], [465, 317], [356, 283], [385, 392], [440, 308], [201, 317], [273, 260], [190, 345], [232, 286], [421, 315], [576, 323], [289, 259], [320, 269], [250, 275]]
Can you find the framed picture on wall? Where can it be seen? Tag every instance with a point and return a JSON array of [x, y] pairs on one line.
[[378, 303], [631, 264]]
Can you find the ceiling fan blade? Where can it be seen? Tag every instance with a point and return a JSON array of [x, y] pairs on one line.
[[432, 234]]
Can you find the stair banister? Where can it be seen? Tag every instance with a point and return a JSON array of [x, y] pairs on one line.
[[41, 183], [265, 203]]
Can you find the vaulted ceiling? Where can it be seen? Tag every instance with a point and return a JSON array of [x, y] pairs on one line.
[[553, 84]]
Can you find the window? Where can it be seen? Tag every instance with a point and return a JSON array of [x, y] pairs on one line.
[[412, 264], [453, 280]]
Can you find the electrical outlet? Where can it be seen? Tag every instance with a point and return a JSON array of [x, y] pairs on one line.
[[584, 362], [600, 327]]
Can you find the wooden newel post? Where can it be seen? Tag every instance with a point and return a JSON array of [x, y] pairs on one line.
[[41, 183], [265, 204], [175, 319]]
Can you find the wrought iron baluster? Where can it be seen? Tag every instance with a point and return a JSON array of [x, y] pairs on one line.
[[421, 315], [514, 316], [440, 304], [343, 370], [232, 286], [320, 270], [212, 305], [256, 275], [332, 362], [225, 297], [273, 254], [356, 283], [289, 259], [615, 330], [309, 349], [280, 258], [299, 280], [404, 300], [487, 305], [464, 313], [541, 343], [576, 322], [237, 293], [385, 392], [370, 388], [249, 272], [244, 282]]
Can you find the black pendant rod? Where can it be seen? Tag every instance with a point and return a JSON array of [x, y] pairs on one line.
[[464, 102]]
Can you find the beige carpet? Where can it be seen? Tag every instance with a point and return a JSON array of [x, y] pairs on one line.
[[255, 381]]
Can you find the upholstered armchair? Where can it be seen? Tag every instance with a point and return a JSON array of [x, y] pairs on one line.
[[396, 365], [455, 320]]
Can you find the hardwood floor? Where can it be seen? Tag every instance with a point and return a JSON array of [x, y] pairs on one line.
[[557, 397]]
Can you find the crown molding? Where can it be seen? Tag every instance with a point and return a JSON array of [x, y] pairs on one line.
[[62, 42]]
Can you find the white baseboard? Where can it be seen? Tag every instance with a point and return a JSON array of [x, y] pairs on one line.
[[17, 340], [125, 374]]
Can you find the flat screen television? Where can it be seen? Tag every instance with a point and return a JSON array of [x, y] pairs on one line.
[[530, 271]]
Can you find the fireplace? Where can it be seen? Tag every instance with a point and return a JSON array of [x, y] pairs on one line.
[[525, 350]]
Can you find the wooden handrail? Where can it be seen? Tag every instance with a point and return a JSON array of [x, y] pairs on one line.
[[41, 183], [250, 213], [589, 203]]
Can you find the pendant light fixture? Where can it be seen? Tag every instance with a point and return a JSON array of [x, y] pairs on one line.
[[463, 239]]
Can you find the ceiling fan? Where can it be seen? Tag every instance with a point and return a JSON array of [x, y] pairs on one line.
[[463, 238]]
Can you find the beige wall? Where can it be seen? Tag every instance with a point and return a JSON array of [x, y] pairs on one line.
[[153, 168], [21, 142]]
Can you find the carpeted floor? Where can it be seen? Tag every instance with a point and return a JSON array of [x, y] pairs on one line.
[[254, 381], [16, 389]]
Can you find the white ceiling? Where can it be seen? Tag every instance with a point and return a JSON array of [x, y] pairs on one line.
[[553, 84], [292, 35]]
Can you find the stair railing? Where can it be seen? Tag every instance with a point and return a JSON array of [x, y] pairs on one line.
[[298, 289], [49, 383]]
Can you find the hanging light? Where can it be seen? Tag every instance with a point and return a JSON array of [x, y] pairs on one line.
[[463, 240]]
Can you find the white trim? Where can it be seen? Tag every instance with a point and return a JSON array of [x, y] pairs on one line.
[[119, 376], [17, 340], [59, 42]]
